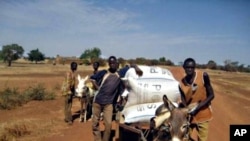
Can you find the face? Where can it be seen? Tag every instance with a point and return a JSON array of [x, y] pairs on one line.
[[113, 64], [74, 67], [95, 66], [189, 68]]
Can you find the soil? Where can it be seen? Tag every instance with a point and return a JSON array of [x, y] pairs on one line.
[[44, 119]]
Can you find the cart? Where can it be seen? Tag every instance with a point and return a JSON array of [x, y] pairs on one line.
[[131, 132]]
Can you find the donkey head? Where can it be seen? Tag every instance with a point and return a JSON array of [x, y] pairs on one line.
[[171, 122], [81, 89]]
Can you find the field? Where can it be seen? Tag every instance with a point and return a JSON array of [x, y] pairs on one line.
[[43, 120]]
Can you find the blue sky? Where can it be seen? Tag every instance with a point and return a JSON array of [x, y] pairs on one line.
[[205, 30]]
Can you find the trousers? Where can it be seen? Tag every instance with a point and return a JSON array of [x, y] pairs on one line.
[[67, 108], [107, 110]]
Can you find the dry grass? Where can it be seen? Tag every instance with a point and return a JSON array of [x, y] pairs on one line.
[[33, 128]]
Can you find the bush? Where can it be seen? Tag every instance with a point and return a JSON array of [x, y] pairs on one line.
[[38, 92], [12, 98]]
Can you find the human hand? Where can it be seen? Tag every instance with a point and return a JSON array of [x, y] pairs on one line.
[[119, 107]]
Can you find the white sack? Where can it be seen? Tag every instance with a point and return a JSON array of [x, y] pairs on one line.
[[150, 90], [140, 112]]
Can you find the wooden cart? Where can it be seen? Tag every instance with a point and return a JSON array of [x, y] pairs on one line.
[[131, 132]]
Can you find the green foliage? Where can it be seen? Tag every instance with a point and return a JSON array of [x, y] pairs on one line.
[[38, 92], [1, 55], [12, 98], [162, 59], [86, 62], [11, 52], [36, 55], [211, 65], [154, 62], [91, 53]]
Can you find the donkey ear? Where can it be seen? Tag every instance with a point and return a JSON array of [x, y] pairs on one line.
[[165, 100], [168, 103], [86, 78], [79, 77]]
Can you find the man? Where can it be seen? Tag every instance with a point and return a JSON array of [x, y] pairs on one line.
[[196, 87], [95, 67], [68, 92], [108, 91]]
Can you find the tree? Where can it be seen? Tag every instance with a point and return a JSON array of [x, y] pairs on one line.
[[35, 55], [121, 61], [231, 66], [11, 52], [211, 65], [162, 59], [91, 54]]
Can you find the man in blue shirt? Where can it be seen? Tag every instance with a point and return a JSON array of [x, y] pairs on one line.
[[109, 88]]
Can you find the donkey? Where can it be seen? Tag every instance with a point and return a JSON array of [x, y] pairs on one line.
[[85, 94], [171, 122]]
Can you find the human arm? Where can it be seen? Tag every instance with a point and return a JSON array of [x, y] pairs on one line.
[[96, 86], [121, 100], [97, 78], [69, 86], [209, 94], [183, 98], [138, 71]]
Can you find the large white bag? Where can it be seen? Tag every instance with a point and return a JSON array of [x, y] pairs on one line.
[[148, 90], [151, 86], [140, 112]]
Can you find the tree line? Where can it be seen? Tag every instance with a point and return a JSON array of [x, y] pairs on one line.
[[13, 52]]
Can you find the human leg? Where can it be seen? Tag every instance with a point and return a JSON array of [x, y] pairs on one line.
[[96, 110], [67, 108], [107, 117]]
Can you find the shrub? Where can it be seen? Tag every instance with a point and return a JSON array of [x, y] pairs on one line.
[[38, 92], [11, 98]]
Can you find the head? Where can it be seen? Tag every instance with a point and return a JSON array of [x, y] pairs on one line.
[[189, 66], [171, 122], [73, 66], [96, 65], [112, 61], [81, 89]]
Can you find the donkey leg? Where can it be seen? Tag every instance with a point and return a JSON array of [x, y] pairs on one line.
[[81, 110], [85, 110]]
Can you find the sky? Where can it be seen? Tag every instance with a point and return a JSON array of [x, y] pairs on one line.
[[205, 30]]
